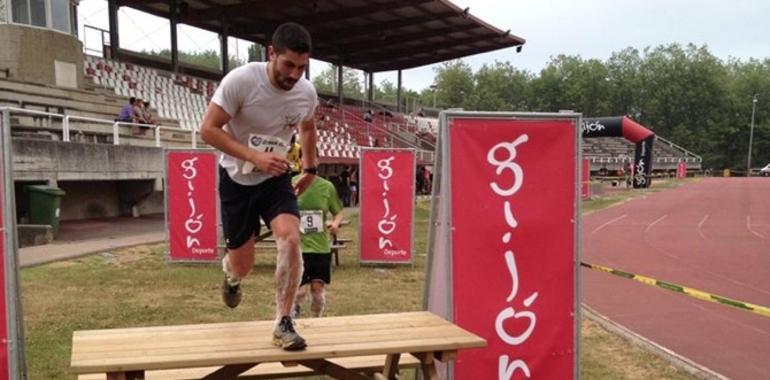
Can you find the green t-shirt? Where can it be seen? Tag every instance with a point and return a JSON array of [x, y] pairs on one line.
[[315, 203]]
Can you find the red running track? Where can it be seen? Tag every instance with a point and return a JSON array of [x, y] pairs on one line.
[[712, 235]]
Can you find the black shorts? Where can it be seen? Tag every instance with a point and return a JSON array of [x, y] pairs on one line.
[[318, 267], [242, 206]]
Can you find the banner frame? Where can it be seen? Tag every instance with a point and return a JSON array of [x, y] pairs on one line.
[[14, 322], [360, 209], [220, 253], [444, 203]]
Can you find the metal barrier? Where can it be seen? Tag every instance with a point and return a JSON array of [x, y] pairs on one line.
[[67, 119]]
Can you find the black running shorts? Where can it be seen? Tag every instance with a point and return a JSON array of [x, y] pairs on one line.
[[242, 206], [318, 267]]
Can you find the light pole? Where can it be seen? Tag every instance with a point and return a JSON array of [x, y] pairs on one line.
[[751, 135], [433, 87]]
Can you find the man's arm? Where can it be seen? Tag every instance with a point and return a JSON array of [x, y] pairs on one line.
[[307, 142], [213, 134], [308, 137]]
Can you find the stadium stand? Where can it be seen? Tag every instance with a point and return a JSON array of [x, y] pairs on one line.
[[613, 152]]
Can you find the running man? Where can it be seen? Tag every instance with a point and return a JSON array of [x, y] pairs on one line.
[[319, 200], [251, 118]]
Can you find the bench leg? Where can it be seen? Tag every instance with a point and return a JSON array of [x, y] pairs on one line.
[[336, 253], [127, 375], [390, 370], [427, 365], [325, 367], [229, 372]]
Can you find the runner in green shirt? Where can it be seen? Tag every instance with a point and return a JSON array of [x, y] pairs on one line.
[[315, 203]]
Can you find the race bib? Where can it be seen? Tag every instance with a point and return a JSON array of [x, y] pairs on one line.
[[268, 144], [311, 221]]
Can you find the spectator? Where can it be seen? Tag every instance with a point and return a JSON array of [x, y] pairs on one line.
[[345, 185], [354, 187], [147, 114], [368, 116], [128, 112]]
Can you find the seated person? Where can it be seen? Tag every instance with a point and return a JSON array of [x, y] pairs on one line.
[[147, 114], [128, 113]]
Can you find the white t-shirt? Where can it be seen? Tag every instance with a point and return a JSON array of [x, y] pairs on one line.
[[261, 116]]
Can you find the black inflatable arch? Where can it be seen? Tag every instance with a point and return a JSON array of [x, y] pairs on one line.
[[623, 126]]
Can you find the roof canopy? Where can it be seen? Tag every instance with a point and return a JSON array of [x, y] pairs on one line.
[[371, 35]]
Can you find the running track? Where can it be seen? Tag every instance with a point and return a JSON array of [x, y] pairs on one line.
[[712, 235]]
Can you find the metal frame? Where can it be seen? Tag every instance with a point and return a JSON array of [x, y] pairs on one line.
[[444, 182], [361, 209], [167, 256], [15, 343]]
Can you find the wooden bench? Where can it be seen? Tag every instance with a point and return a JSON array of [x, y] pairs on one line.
[[341, 347]]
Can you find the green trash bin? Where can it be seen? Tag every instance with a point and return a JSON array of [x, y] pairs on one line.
[[44, 205]]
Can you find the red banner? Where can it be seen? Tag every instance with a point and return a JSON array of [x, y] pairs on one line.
[[585, 188], [513, 242], [387, 205], [191, 205]]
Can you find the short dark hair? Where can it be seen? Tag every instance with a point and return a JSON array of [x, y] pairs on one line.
[[131, 100], [291, 36]]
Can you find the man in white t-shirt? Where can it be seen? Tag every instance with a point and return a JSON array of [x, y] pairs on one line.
[[251, 118]]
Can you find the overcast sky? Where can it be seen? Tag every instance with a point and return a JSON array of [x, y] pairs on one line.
[[589, 28]]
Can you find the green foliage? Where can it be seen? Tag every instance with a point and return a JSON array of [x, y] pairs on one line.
[[683, 93], [208, 58], [352, 83]]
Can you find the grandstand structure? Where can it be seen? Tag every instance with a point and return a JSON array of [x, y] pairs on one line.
[[61, 103], [611, 154]]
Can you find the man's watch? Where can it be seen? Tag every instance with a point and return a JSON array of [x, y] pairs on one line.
[[312, 170]]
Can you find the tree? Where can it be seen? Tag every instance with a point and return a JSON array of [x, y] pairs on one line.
[[352, 86], [208, 58], [454, 84], [256, 53]]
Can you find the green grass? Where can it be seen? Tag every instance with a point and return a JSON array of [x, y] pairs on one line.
[[135, 287]]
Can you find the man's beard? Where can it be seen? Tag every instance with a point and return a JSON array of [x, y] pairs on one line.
[[283, 82]]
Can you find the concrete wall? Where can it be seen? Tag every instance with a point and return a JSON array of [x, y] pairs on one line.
[[30, 54], [53, 161], [100, 180]]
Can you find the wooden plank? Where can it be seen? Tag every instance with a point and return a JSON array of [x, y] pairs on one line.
[[258, 328], [238, 343], [417, 344], [207, 347]]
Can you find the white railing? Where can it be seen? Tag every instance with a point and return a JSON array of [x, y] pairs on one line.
[[67, 119]]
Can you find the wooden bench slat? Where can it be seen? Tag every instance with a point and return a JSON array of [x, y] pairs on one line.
[[369, 363], [249, 342], [230, 336], [262, 343], [274, 355], [351, 320], [252, 342]]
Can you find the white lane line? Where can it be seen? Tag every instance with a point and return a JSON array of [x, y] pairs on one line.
[[597, 229], [748, 225], [654, 223], [700, 232]]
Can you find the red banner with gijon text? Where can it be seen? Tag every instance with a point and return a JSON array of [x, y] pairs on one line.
[[387, 205], [191, 210], [513, 243]]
